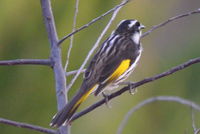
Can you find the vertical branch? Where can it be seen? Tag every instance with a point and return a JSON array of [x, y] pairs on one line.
[[95, 45], [59, 74], [193, 122], [72, 37]]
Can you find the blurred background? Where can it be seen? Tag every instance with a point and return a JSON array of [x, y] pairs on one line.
[[27, 93]]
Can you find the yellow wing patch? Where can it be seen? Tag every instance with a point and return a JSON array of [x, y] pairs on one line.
[[124, 65]]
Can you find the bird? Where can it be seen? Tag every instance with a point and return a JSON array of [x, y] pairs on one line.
[[113, 63]]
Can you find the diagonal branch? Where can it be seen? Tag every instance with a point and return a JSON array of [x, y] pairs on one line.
[[95, 45], [171, 20], [197, 131], [46, 62], [94, 20], [73, 72], [136, 84], [28, 126], [153, 99]]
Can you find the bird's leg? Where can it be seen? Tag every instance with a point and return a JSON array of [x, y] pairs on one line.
[[132, 89], [106, 98]]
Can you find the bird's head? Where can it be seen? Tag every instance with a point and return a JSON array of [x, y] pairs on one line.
[[129, 27]]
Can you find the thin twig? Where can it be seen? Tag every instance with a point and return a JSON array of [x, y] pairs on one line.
[[72, 37], [46, 62], [59, 73], [94, 20], [95, 45], [28, 126], [136, 84], [73, 72], [193, 121], [170, 20], [151, 100]]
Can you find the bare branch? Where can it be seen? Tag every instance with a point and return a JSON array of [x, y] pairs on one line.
[[94, 20], [73, 72], [96, 45], [28, 126], [170, 20], [153, 99], [46, 62], [137, 84], [193, 121], [59, 73], [197, 131], [72, 37]]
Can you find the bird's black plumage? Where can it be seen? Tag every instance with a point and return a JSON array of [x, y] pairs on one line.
[[122, 47]]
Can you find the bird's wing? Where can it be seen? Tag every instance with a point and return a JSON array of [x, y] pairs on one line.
[[108, 64]]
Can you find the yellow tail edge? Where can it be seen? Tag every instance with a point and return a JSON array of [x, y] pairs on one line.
[[83, 98]]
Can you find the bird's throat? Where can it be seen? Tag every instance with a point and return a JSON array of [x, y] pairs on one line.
[[136, 37]]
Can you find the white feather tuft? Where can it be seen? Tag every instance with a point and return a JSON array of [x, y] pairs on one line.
[[132, 23]]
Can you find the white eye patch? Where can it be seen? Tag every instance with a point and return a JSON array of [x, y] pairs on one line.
[[132, 23]]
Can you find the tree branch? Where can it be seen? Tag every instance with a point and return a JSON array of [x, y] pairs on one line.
[[171, 20], [28, 126], [73, 72], [95, 45], [94, 20], [46, 62], [153, 99], [59, 73], [197, 131], [136, 84], [193, 121]]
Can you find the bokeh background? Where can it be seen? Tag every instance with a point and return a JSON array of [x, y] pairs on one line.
[[27, 93]]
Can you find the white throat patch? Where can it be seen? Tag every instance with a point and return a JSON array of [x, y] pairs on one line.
[[136, 37]]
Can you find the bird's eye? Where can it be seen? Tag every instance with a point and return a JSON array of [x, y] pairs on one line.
[[137, 24]]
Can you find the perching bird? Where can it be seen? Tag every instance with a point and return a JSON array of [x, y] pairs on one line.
[[113, 63]]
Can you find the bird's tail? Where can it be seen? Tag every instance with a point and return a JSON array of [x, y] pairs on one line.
[[64, 115]]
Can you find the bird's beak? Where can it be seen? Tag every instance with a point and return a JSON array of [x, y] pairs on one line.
[[142, 26]]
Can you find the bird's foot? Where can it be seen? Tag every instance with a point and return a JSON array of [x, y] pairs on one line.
[[107, 100], [132, 89]]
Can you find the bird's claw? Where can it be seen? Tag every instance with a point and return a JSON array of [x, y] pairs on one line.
[[107, 100], [132, 89]]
